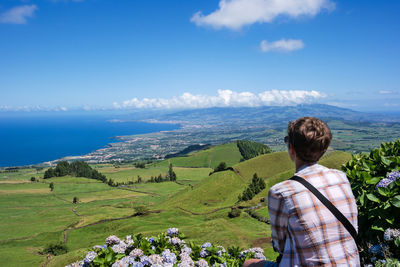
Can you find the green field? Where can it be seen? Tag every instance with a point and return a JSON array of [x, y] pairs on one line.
[[198, 203]]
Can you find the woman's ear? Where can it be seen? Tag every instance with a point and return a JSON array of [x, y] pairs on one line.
[[292, 152]]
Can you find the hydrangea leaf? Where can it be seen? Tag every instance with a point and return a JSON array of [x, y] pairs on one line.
[[373, 198], [397, 242], [396, 201]]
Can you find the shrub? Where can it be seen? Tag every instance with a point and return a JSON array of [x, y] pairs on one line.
[[375, 181], [55, 249], [141, 210], [221, 167], [75, 200], [33, 179], [235, 212]]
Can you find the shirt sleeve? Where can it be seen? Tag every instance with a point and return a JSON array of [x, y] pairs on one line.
[[279, 220]]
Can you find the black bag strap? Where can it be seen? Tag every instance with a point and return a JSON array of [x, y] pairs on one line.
[[346, 223]]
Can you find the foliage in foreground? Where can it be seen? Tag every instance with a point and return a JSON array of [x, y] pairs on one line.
[[375, 181], [168, 249]]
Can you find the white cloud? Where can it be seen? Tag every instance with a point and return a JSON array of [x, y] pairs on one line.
[[225, 98], [387, 92], [234, 14], [282, 45], [32, 108], [18, 15]]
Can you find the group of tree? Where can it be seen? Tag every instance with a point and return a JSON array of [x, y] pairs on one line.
[[76, 168], [256, 186], [250, 149], [140, 165]]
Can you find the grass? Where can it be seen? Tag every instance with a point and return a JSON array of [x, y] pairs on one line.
[[33, 216], [209, 158]]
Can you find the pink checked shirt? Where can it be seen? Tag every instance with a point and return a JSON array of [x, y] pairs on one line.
[[303, 229]]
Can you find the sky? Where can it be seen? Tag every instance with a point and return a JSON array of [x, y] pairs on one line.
[[62, 55]]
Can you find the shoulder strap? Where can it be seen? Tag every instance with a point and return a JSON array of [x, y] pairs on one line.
[[346, 223]]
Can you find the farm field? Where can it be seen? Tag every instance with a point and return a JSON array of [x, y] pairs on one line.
[[33, 216]]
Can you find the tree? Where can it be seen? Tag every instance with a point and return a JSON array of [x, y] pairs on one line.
[[221, 167], [63, 168], [171, 173], [139, 179], [33, 179], [51, 186], [75, 200]]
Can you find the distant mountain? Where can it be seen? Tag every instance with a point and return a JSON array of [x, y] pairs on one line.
[[273, 115]]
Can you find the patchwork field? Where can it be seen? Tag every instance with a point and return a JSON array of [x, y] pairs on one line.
[[33, 216]]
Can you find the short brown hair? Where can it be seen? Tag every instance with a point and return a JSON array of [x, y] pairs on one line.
[[310, 138]]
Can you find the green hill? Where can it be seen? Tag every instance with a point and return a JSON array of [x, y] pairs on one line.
[[210, 158]]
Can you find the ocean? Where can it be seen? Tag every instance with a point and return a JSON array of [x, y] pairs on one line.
[[36, 139]]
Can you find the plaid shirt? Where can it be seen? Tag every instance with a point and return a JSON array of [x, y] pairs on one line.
[[303, 229]]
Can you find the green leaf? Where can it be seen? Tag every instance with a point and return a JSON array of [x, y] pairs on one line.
[[373, 198], [362, 198], [383, 191], [396, 201], [390, 221], [373, 180], [378, 228], [385, 161], [397, 242]]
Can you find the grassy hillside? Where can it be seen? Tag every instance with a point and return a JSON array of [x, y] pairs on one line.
[[210, 158], [33, 216]]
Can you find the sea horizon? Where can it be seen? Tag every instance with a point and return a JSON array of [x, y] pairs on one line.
[[32, 140]]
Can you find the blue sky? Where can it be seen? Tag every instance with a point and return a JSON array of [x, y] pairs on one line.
[[122, 54]]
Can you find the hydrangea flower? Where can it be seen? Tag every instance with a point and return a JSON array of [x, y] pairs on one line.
[[90, 256], [392, 177], [221, 251], [259, 255], [172, 232], [151, 240], [186, 250], [375, 250], [391, 234], [145, 261], [155, 259], [136, 253], [168, 256], [128, 240], [256, 250], [121, 263], [175, 241], [202, 263], [112, 240], [119, 248], [206, 245], [204, 253]]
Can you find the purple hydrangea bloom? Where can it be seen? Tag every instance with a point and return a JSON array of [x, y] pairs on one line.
[[202, 263], [136, 253], [206, 245], [119, 248], [90, 256], [172, 232], [391, 234], [256, 250], [175, 241], [151, 240], [392, 177], [100, 247], [112, 240], [260, 256], [186, 250], [376, 249], [168, 256], [145, 261], [137, 264], [204, 253], [221, 251], [155, 259]]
